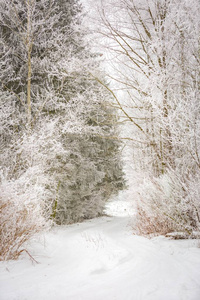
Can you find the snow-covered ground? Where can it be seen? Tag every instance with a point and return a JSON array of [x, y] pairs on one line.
[[101, 259]]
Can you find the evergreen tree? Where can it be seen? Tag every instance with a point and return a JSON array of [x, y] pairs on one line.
[[57, 115]]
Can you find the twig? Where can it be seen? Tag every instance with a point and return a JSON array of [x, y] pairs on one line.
[[31, 257]]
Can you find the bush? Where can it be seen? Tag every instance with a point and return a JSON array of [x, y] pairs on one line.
[[168, 204], [20, 217]]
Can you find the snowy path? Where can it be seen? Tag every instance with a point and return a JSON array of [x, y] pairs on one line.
[[102, 260]]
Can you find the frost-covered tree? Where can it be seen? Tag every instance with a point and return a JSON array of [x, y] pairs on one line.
[[56, 121], [156, 58], [37, 41]]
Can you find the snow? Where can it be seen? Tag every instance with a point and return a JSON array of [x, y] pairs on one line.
[[101, 259]]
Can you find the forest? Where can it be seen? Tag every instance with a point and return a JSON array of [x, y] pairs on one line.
[[90, 110], [99, 150]]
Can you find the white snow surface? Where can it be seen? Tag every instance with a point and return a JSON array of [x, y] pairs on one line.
[[102, 259]]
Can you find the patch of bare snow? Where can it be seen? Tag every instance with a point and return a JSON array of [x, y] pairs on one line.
[[120, 206], [101, 259]]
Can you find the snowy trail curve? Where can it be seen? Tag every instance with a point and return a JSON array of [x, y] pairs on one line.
[[102, 260]]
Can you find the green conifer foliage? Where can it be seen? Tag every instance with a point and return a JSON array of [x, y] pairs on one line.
[[67, 136]]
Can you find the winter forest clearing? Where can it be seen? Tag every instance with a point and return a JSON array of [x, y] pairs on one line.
[[100, 112]]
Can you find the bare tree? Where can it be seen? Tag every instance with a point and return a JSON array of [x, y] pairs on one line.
[[155, 58]]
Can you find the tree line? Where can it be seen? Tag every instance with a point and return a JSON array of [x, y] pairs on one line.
[[58, 164], [154, 46]]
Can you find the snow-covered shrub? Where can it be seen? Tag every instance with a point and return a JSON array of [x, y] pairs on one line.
[[167, 204], [21, 215], [25, 199]]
